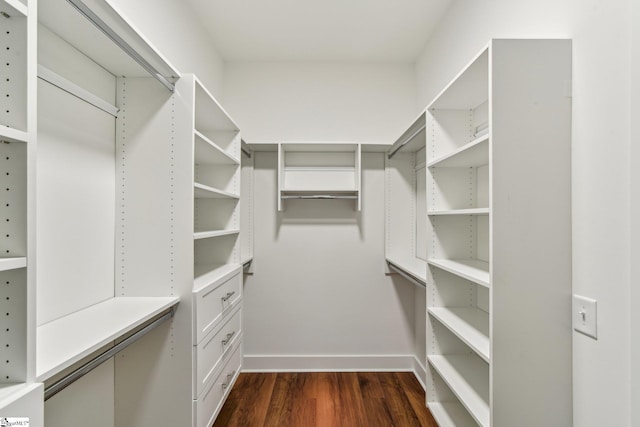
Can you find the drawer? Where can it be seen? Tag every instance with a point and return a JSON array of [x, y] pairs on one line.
[[214, 349], [213, 301], [207, 407]]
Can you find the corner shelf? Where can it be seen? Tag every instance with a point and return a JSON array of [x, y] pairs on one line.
[[66, 341], [470, 269], [208, 152], [471, 325], [12, 263], [467, 377], [473, 211], [202, 191], [473, 154], [12, 135], [217, 233]]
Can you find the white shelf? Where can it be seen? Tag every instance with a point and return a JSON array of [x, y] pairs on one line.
[[12, 263], [202, 191], [471, 325], [13, 7], [207, 234], [415, 267], [12, 135], [208, 274], [68, 340], [470, 269], [467, 378], [473, 154], [208, 152], [451, 414], [473, 211], [319, 191]]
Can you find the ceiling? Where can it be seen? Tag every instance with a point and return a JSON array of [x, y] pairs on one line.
[[320, 30]]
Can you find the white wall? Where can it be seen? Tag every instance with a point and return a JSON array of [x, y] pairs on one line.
[[319, 286], [600, 31], [176, 31]]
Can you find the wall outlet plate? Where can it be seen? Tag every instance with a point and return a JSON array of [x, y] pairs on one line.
[[585, 316]]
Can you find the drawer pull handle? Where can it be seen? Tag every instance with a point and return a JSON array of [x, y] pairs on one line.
[[228, 295], [228, 338], [229, 376]]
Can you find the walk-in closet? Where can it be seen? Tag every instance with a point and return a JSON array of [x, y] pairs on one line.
[[319, 213]]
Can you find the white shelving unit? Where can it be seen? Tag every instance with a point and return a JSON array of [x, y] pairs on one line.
[[320, 171], [19, 393], [405, 207], [490, 250]]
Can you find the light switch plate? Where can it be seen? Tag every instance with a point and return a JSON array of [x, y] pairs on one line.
[[585, 316]]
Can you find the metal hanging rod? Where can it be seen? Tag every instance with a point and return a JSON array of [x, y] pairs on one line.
[[126, 47], [319, 196], [406, 141], [68, 86], [69, 379], [410, 277], [244, 149]]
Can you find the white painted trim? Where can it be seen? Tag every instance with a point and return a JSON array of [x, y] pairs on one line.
[[420, 371], [330, 363]]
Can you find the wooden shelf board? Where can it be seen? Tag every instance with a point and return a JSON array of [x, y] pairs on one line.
[[202, 191], [209, 153], [473, 154], [466, 377], [12, 135], [471, 325], [473, 211], [66, 341], [413, 266], [12, 7], [218, 233], [205, 275], [12, 263], [470, 269], [451, 414]]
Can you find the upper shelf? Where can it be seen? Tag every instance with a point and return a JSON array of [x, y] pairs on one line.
[[66, 341], [97, 29], [473, 154], [468, 89], [210, 115], [13, 7]]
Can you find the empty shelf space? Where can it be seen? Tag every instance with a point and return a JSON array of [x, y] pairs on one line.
[[215, 233], [13, 7], [68, 340], [208, 152], [205, 275], [202, 191], [473, 154], [471, 325], [12, 263], [470, 269], [451, 414], [414, 267], [12, 135], [467, 378], [473, 211]]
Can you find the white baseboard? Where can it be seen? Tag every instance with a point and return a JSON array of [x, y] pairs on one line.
[[421, 372]]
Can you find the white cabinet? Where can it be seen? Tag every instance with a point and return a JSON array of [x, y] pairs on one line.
[[319, 171], [499, 239]]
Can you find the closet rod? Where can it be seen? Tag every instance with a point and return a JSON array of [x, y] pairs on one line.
[[68, 86], [69, 379], [410, 277], [107, 31], [406, 141], [245, 151], [319, 196]]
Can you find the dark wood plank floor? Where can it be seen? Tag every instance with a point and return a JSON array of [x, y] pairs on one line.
[[326, 399]]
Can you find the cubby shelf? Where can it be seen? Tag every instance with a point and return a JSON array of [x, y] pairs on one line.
[[12, 135], [451, 414], [208, 152], [473, 211], [11, 7], [12, 263], [473, 154], [467, 377], [65, 341], [470, 269], [217, 233], [202, 191], [471, 325]]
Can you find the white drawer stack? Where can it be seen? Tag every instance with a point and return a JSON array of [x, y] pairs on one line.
[[217, 343]]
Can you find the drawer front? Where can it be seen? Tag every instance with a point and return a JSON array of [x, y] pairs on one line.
[[215, 349], [212, 303], [208, 405]]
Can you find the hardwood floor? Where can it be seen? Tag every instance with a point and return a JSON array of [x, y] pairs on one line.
[[326, 399]]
